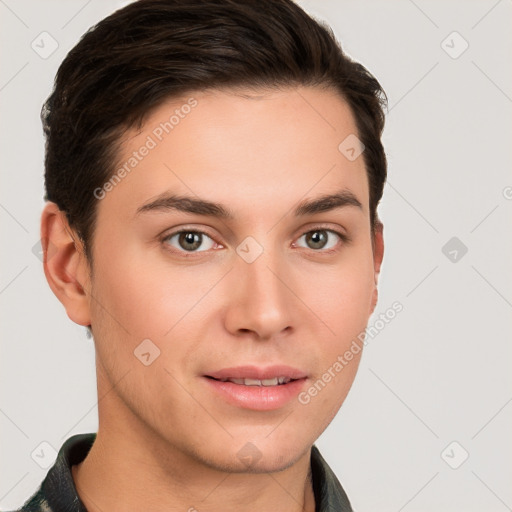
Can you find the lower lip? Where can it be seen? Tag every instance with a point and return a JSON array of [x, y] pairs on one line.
[[257, 398]]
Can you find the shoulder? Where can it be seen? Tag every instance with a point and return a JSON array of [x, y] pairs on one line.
[[36, 503], [329, 494], [57, 492]]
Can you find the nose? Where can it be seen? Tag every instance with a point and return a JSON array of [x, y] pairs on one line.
[[261, 301]]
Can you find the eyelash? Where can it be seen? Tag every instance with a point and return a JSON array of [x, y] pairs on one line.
[[345, 239]]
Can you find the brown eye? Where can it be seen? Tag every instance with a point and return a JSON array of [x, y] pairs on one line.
[[190, 241], [316, 239], [320, 239]]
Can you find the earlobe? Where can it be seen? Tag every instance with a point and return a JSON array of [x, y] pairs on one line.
[[65, 265]]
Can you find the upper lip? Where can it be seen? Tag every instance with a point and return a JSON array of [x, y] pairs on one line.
[[254, 372]]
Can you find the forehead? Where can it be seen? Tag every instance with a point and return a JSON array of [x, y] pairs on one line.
[[241, 147]]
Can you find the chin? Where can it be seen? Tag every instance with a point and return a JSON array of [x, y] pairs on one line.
[[259, 456]]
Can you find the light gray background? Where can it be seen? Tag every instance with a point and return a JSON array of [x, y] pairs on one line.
[[438, 373]]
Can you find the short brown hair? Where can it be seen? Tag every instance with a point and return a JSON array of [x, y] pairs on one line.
[[152, 50]]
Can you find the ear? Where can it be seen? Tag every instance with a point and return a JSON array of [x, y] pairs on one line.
[[378, 254], [65, 265]]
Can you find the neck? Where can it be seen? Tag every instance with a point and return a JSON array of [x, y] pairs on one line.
[[130, 468], [116, 476]]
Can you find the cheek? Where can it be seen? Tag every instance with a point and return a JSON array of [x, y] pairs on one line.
[[343, 305], [128, 293], [139, 293], [144, 297], [342, 295]]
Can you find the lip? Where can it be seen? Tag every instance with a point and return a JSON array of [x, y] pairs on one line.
[[256, 398], [254, 372]]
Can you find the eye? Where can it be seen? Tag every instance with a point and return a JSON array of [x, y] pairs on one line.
[[190, 241], [321, 239]]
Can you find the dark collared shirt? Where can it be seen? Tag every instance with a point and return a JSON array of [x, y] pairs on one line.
[[57, 493]]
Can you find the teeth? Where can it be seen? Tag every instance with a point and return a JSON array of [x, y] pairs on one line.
[[256, 382], [236, 381]]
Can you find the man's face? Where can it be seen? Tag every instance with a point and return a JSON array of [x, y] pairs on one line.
[[266, 287]]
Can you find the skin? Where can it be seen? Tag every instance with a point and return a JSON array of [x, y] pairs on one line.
[[165, 440]]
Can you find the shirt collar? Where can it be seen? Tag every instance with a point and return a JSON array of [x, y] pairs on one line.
[[57, 493]]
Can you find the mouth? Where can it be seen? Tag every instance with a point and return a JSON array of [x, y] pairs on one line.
[[258, 389], [276, 381]]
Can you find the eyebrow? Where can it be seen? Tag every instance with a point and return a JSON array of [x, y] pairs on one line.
[[188, 204]]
